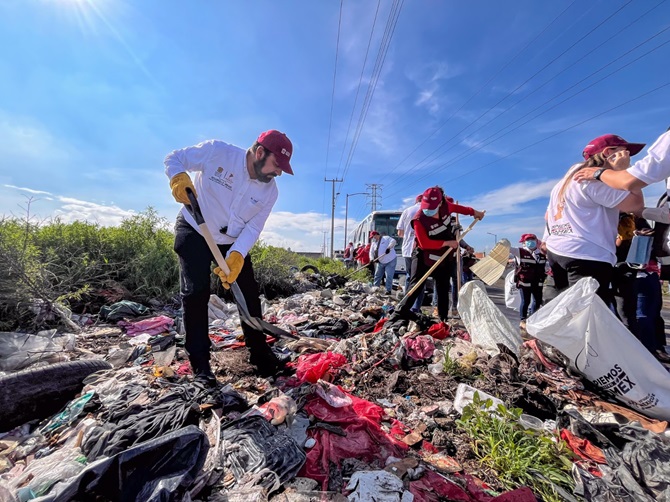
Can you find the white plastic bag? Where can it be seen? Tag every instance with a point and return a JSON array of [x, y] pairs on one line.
[[512, 293], [486, 324], [579, 324]]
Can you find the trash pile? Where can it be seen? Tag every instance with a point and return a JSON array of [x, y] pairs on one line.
[[373, 410]]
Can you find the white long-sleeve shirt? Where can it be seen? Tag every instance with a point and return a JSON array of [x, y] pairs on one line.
[[229, 199], [655, 166], [381, 246]]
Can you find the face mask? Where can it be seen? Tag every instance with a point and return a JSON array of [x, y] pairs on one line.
[[430, 212], [531, 244]]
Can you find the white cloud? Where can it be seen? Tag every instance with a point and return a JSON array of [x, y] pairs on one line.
[[79, 210], [511, 198], [29, 190]]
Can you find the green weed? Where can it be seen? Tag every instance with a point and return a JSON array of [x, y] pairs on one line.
[[519, 457]]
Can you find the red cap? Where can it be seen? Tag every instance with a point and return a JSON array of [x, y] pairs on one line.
[[432, 198], [418, 198], [525, 237], [373, 233], [610, 140], [278, 143]]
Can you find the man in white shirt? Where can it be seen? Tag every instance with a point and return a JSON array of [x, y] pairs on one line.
[[236, 191], [382, 249], [406, 231]]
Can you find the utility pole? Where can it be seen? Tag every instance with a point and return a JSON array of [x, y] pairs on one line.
[[374, 188], [332, 215]]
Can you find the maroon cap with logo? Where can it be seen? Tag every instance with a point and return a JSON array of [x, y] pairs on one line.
[[279, 144], [610, 140], [526, 237], [432, 198]]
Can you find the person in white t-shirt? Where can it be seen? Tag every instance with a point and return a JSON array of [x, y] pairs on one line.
[[582, 218], [236, 191], [382, 249]]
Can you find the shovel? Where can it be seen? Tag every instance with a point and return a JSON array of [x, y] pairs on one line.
[[245, 317], [491, 268], [435, 265]]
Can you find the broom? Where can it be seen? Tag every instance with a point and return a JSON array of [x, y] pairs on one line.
[[491, 268]]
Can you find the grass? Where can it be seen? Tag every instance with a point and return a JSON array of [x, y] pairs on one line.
[[539, 460]]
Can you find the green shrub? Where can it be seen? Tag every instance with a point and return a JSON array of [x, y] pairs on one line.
[[518, 457]]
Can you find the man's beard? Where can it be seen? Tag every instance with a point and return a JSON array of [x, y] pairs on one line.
[[260, 175]]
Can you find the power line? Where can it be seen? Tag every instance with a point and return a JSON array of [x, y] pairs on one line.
[[379, 63], [550, 80], [558, 133], [332, 103], [332, 97], [474, 148], [500, 70], [588, 33], [360, 80]]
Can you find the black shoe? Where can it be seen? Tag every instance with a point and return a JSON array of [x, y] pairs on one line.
[[266, 362], [206, 379]]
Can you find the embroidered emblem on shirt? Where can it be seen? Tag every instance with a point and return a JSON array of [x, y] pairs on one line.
[[223, 178]]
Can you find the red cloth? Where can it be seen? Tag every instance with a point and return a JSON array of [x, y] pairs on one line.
[[439, 331], [364, 438], [583, 448], [432, 487], [380, 324]]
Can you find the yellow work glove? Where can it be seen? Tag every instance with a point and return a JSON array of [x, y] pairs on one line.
[[179, 183], [235, 263]]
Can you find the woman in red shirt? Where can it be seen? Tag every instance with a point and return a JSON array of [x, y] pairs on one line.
[[434, 233]]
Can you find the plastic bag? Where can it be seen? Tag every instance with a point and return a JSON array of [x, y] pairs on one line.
[[486, 324], [311, 368], [512, 293], [20, 350], [579, 324], [158, 470]]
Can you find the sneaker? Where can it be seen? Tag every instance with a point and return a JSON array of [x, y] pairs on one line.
[[454, 313], [522, 325]]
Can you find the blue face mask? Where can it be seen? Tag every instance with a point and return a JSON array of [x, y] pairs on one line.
[[531, 244], [430, 212]]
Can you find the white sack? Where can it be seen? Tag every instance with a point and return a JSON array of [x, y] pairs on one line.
[[486, 324], [512, 293], [579, 324]]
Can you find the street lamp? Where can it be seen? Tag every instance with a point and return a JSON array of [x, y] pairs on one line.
[[495, 238], [346, 214]]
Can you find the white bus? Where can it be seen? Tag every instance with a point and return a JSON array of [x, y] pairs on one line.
[[385, 223]]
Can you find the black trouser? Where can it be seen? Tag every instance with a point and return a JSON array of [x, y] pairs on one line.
[[567, 271], [534, 290], [195, 260], [442, 275]]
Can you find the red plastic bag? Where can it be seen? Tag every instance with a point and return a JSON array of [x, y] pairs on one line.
[[439, 331], [380, 324], [312, 367]]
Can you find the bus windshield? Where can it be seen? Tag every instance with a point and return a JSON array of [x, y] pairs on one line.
[[386, 224]]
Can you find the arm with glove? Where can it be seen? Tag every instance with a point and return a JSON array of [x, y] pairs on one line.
[[178, 162]]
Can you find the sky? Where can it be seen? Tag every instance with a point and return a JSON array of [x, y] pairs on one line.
[[490, 102]]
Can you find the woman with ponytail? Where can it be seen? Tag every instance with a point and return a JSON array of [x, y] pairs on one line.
[[582, 217]]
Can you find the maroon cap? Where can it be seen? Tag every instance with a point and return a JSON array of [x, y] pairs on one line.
[[432, 198], [525, 237], [610, 140], [418, 198], [373, 233], [279, 144]]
